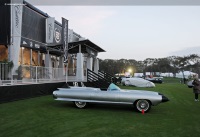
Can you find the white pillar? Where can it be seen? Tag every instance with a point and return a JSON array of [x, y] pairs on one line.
[[56, 69], [60, 66], [48, 60], [79, 67], [61, 60], [89, 62], [16, 27], [96, 65]]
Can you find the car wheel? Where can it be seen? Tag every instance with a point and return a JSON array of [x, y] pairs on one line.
[[127, 83], [190, 86], [142, 105], [80, 104]]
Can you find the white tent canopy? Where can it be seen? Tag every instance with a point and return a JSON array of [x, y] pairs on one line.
[[167, 74], [138, 74], [187, 74]]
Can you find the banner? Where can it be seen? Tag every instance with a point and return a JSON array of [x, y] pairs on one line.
[[33, 25], [16, 27], [57, 34], [49, 29], [65, 38]]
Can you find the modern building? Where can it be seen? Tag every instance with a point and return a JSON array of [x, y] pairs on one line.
[[38, 54], [38, 45]]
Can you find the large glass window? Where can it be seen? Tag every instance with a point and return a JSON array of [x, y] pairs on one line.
[[35, 58], [3, 53], [26, 56], [21, 55]]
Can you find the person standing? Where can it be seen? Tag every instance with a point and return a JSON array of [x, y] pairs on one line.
[[196, 88]]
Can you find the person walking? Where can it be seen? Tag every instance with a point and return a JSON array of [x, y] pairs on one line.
[[196, 88]]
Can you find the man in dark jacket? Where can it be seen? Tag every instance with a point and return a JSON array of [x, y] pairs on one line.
[[196, 88]]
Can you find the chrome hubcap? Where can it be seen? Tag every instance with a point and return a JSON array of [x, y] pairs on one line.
[[80, 104], [142, 105]]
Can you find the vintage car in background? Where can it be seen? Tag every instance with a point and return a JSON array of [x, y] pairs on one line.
[[155, 80], [141, 100], [137, 82]]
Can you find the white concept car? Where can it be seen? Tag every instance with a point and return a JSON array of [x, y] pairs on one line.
[[137, 82]]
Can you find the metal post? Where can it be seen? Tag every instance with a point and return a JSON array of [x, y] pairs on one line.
[[31, 56], [79, 48], [31, 76], [66, 72], [36, 74], [38, 58]]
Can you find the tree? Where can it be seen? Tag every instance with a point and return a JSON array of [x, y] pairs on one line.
[[172, 64]]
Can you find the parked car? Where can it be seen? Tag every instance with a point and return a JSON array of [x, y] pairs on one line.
[[155, 80], [142, 100], [137, 82]]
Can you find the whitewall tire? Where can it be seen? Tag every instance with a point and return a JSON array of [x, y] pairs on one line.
[[80, 104], [142, 105]]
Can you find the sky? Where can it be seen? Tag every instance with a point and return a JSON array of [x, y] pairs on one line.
[[134, 32]]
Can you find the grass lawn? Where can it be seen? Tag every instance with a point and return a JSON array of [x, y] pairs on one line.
[[42, 117]]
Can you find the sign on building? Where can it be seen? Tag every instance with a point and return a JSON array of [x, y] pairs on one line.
[[49, 29], [65, 38]]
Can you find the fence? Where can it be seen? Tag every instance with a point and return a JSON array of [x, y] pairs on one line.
[[37, 74], [5, 70]]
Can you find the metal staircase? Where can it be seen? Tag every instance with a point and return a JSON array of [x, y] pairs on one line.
[[96, 80], [107, 76]]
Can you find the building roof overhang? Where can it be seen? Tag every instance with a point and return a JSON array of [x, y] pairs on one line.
[[73, 47]]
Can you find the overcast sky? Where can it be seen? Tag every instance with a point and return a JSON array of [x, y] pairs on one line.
[[134, 32]]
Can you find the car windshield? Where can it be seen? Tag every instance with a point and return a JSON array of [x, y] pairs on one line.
[[113, 87]]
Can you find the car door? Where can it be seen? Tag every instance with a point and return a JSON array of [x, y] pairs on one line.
[[105, 96], [126, 97]]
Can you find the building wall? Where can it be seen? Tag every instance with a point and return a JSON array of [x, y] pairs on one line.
[[4, 22]]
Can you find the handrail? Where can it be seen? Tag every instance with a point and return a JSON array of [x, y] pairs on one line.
[[108, 76], [97, 80]]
